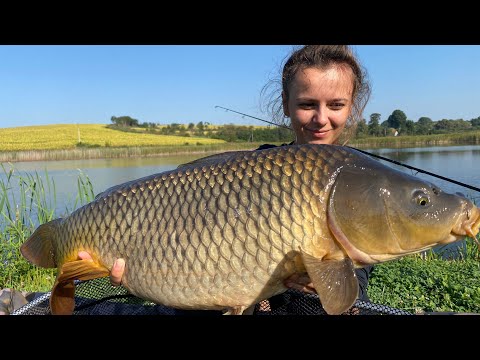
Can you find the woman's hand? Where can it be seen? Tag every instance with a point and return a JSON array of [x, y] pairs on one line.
[[117, 270], [300, 282]]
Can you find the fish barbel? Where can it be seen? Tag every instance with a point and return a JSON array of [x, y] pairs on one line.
[[225, 231]]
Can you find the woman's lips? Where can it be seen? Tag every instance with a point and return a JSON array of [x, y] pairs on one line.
[[318, 133]]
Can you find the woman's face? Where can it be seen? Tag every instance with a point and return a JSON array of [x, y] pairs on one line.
[[319, 103]]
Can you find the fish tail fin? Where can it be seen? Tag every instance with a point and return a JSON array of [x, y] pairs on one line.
[[39, 248], [62, 298]]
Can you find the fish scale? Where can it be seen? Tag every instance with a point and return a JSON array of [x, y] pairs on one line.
[[224, 232], [228, 247]]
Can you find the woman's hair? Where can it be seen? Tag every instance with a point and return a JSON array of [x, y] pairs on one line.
[[320, 57]]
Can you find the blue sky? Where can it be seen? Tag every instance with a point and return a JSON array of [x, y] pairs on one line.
[[58, 84]]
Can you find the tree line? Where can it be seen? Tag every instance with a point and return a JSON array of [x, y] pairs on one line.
[[397, 124], [229, 132]]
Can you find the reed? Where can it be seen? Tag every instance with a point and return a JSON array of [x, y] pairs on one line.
[[465, 138], [120, 152], [26, 201]]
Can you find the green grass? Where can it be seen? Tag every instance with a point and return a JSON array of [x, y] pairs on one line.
[[419, 285], [27, 201]]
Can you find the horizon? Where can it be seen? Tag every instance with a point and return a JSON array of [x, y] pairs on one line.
[[166, 84]]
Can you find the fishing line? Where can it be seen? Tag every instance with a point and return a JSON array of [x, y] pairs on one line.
[[253, 117], [366, 152]]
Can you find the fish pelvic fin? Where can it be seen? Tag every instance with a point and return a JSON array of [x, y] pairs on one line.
[[39, 249], [62, 299], [335, 282]]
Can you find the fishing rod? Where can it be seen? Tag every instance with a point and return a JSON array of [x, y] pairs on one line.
[[253, 117], [366, 152]]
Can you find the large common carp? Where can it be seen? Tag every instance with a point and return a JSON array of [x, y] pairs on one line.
[[223, 232]]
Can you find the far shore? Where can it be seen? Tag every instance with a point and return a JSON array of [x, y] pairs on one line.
[[81, 153], [120, 152]]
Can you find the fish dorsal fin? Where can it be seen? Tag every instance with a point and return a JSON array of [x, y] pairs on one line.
[[62, 298], [215, 159], [335, 282]]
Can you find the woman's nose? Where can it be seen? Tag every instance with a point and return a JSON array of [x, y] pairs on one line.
[[321, 117]]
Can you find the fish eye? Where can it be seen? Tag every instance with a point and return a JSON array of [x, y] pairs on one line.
[[423, 201], [421, 198]]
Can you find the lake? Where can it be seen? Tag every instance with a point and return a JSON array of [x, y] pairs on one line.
[[103, 173], [453, 162]]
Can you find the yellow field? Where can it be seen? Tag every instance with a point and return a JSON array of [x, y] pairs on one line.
[[51, 137]]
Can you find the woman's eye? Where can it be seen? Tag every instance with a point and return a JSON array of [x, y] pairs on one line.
[[306, 106], [337, 106]]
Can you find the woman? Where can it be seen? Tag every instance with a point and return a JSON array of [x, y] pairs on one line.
[[324, 90]]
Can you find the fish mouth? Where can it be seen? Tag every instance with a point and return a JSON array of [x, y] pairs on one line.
[[468, 224]]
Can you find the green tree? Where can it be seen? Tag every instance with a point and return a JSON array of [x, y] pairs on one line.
[[200, 128], [424, 126], [460, 125], [410, 127], [384, 128], [475, 122], [441, 125], [124, 121], [398, 120], [374, 124], [362, 128], [148, 125]]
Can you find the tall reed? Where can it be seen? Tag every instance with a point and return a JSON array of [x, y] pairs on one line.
[[465, 138], [26, 201], [120, 152]]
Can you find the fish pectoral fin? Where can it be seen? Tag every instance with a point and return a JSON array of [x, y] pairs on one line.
[[335, 282], [62, 300], [82, 270]]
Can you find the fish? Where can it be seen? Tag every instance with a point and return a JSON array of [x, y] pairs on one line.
[[225, 231]]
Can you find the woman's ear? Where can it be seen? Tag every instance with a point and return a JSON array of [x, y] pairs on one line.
[[286, 111]]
